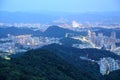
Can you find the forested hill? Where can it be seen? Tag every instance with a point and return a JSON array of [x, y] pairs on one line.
[[44, 64], [40, 65], [92, 53]]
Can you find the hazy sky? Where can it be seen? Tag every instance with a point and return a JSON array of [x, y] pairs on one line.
[[60, 5]]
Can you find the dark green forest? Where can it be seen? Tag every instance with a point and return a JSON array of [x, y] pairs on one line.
[[44, 64]]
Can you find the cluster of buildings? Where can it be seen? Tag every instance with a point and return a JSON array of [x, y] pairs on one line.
[[108, 64], [102, 41], [99, 41], [21, 43], [35, 26]]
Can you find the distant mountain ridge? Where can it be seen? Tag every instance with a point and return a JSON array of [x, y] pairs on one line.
[[52, 31], [49, 17], [18, 31], [56, 31]]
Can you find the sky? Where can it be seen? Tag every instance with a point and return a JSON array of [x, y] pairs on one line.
[[60, 5]]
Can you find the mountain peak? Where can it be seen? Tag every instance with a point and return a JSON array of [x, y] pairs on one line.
[[56, 31], [54, 27]]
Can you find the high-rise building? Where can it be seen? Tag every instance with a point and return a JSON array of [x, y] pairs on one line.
[[89, 33], [93, 37], [113, 35], [93, 34]]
